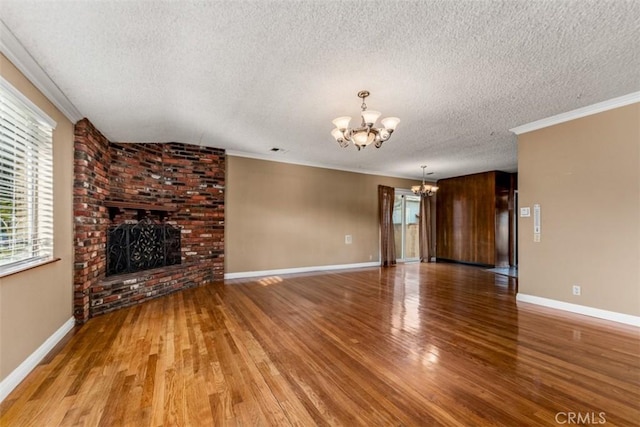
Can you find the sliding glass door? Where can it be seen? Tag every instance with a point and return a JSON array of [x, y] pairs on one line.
[[406, 209]]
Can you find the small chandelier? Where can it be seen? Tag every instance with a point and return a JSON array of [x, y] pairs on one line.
[[424, 189], [366, 133]]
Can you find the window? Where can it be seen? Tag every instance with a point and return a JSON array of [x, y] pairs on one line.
[[26, 181]]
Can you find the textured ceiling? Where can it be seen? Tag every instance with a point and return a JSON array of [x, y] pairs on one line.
[[249, 76]]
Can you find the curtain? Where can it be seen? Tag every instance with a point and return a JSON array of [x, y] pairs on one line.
[[386, 198], [424, 229]]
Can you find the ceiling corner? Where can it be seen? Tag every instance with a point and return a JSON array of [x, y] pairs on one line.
[[11, 47]]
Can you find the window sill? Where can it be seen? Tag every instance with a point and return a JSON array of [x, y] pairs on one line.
[[27, 266]]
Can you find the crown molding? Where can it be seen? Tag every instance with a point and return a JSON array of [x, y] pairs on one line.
[[11, 47], [35, 110], [270, 158], [621, 101]]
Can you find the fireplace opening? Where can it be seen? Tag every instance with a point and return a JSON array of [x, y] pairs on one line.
[[142, 246]]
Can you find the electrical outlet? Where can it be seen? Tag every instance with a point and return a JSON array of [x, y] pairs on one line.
[[576, 290], [348, 239]]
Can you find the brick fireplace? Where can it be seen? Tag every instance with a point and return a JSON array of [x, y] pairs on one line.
[[181, 185]]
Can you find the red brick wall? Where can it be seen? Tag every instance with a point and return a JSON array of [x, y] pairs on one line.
[[91, 220], [187, 177]]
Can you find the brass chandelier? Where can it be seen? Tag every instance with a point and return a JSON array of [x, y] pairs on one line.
[[367, 133], [424, 189]]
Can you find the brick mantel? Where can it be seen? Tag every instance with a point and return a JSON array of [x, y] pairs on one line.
[[113, 183]]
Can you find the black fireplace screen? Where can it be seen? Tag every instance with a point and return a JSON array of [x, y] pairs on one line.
[[142, 246]]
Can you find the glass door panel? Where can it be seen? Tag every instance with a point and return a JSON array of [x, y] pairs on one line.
[[412, 210], [406, 209], [398, 211]]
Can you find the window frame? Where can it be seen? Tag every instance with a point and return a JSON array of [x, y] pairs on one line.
[[36, 117], [404, 194]]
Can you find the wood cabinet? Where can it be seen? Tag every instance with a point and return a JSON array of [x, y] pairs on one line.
[[473, 219]]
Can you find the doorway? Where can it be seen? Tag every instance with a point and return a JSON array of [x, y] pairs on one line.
[[406, 208], [514, 235]]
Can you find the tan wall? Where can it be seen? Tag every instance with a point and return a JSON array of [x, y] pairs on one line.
[[280, 215], [585, 174], [36, 303]]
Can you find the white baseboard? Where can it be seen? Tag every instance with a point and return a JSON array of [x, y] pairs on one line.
[[14, 378], [627, 319], [246, 274]]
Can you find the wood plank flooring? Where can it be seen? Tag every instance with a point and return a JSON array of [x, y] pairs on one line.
[[414, 345]]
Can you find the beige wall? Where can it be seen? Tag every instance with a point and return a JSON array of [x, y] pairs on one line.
[[36, 303], [280, 215], [585, 174]]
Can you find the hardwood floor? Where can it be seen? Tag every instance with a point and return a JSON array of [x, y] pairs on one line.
[[418, 344]]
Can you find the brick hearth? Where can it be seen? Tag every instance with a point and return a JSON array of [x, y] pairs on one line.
[[187, 179]]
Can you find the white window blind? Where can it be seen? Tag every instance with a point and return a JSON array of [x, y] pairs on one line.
[[26, 181]]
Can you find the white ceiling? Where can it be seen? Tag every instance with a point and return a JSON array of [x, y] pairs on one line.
[[251, 75]]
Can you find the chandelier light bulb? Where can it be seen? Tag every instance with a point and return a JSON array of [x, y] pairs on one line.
[[363, 138], [390, 123], [369, 117], [342, 122], [337, 134]]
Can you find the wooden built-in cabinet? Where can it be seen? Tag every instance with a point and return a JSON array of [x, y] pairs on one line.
[[474, 215]]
